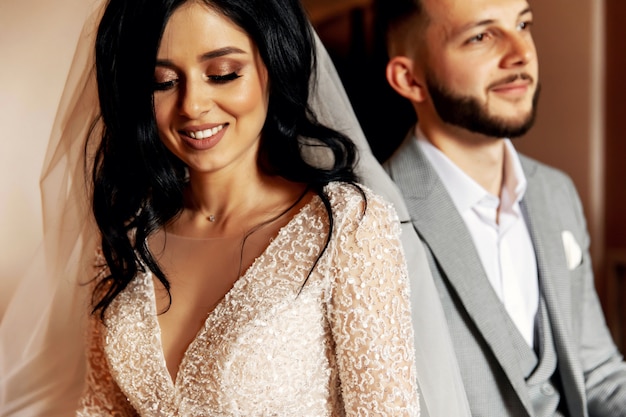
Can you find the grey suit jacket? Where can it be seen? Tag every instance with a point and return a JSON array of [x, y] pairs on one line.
[[592, 373]]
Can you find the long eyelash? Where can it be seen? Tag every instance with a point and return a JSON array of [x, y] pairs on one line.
[[220, 79], [164, 86]]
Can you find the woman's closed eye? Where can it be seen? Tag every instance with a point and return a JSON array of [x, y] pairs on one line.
[[165, 85], [223, 79], [165, 78]]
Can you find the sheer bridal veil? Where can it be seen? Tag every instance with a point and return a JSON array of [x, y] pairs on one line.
[[41, 351]]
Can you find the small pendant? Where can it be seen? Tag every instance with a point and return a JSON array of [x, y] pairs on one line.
[[211, 217]]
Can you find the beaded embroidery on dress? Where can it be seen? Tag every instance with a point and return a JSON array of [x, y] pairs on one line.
[[343, 346]]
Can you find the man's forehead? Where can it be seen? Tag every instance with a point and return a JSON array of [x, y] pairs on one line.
[[458, 12]]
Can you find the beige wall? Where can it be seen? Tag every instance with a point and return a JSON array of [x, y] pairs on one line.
[[37, 41], [569, 133]]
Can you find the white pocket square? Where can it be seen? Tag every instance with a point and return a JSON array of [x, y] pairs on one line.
[[573, 254]]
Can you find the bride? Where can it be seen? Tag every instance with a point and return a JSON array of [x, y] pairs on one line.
[[33, 384]]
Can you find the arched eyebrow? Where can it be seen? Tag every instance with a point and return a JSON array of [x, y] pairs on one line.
[[221, 52], [228, 50], [487, 22]]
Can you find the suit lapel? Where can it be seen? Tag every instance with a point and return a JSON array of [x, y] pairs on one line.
[[443, 231], [540, 206]]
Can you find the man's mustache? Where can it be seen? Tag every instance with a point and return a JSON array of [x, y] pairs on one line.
[[512, 78]]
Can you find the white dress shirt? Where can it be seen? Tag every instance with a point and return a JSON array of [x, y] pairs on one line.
[[504, 245]]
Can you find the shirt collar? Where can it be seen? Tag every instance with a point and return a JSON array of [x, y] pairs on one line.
[[464, 191], [514, 186]]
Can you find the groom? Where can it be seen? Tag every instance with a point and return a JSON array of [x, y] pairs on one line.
[[505, 236]]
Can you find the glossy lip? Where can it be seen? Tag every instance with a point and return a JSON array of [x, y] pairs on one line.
[[206, 143]]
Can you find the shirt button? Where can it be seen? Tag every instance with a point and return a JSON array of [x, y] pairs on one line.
[[547, 389]]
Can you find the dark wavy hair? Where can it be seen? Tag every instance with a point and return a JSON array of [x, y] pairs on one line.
[[137, 183]]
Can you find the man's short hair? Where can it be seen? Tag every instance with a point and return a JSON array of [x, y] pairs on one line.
[[396, 17]]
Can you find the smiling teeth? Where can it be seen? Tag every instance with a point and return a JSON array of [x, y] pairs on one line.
[[203, 134]]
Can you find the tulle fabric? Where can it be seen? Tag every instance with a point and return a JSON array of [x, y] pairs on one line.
[[41, 334]]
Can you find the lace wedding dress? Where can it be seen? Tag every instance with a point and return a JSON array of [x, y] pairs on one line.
[[341, 346]]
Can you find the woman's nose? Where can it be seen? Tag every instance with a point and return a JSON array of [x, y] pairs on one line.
[[195, 99]]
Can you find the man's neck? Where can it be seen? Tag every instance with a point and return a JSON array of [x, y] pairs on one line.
[[479, 156]]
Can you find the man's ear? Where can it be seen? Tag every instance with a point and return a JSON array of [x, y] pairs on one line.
[[400, 74]]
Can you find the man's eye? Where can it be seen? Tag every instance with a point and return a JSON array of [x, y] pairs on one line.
[[525, 25], [478, 38]]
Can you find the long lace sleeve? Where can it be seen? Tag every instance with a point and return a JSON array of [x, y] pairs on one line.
[[101, 396], [370, 315]]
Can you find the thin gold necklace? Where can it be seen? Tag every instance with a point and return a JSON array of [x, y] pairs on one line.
[[212, 218]]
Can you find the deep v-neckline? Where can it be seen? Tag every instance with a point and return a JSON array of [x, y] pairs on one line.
[[212, 317]]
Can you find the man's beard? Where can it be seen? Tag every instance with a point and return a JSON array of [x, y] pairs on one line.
[[468, 113]]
